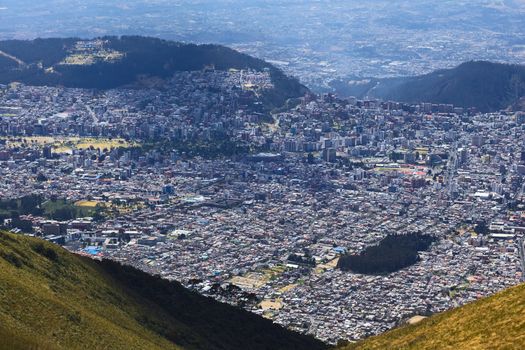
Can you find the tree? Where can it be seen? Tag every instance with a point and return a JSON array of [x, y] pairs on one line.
[[64, 214], [30, 205], [41, 177], [98, 215], [481, 228], [311, 158], [23, 225], [393, 253]]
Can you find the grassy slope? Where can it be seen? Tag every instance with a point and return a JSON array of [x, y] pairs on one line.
[[52, 299], [66, 304], [497, 322]]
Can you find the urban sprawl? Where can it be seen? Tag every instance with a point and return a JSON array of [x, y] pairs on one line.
[[196, 181]]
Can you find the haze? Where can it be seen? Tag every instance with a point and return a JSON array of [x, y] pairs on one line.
[[315, 40]]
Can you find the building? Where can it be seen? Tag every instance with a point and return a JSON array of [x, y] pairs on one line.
[[329, 155]]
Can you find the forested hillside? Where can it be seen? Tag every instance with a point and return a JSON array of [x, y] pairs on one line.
[[123, 60], [486, 86]]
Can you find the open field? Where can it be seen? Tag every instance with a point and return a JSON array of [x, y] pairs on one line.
[[87, 204], [86, 59], [255, 280], [67, 144], [321, 268], [287, 288], [269, 304], [64, 210], [251, 280]]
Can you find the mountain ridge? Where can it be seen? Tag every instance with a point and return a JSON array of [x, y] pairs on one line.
[[54, 299], [484, 85], [112, 62]]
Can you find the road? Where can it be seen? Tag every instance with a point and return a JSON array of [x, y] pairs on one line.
[[522, 257], [20, 62]]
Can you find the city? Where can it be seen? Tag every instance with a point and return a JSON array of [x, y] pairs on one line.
[[200, 183], [317, 41]]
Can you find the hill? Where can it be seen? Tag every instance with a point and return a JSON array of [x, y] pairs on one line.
[[52, 299], [111, 62], [484, 85], [497, 322]]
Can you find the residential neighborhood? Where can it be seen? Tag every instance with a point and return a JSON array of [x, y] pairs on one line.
[[201, 183]]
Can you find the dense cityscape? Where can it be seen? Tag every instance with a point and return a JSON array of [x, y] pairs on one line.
[[198, 182]]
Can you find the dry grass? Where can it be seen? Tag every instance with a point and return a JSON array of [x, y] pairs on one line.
[[67, 144], [497, 322], [87, 204]]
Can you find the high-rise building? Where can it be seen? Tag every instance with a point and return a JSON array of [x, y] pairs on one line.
[[478, 140], [462, 155], [329, 155], [522, 156], [290, 146], [47, 152]]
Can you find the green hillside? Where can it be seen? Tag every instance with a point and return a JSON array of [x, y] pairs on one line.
[[52, 299], [497, 322], [117, 61], [484, 85]]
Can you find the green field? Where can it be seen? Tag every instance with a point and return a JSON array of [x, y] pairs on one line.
[[61, 144]]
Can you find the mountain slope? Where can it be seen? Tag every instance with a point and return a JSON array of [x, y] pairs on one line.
[[484, 85], [112, 62], [52, 299], [497, 322]]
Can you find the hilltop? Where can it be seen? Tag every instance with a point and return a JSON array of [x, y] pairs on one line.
[[496, 322], [112, 62], [53, 299], [486, 86]]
